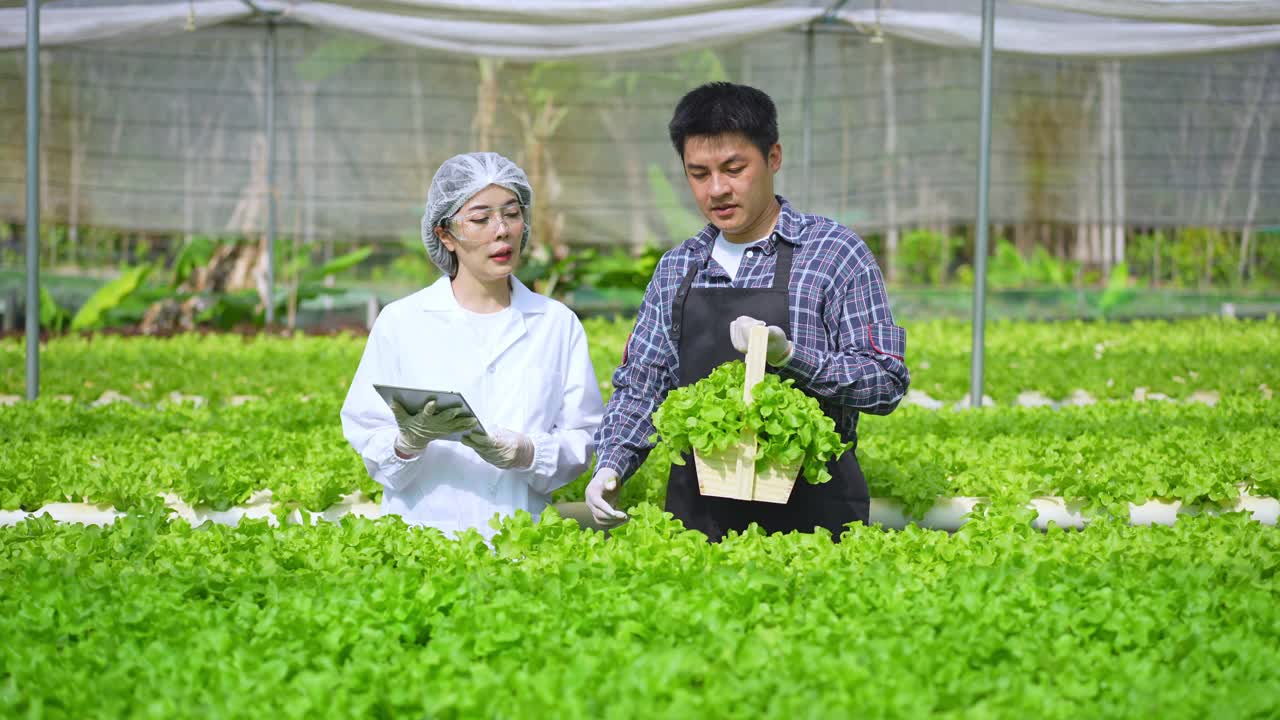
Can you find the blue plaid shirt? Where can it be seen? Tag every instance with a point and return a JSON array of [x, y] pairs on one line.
[[848, 352]]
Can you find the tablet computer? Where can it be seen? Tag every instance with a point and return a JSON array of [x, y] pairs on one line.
[[414, 399]]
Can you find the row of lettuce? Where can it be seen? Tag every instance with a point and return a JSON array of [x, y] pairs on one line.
[[151, 617], [261, 413], [155, 619], [1106, 360], [217, 456]]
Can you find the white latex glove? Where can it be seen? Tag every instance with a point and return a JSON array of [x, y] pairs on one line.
[[602, 495], [779, 350], [504, 449], [416, 431]]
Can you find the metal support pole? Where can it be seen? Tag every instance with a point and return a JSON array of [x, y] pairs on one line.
[[809, 82], [270, 96], [984, 187], [33, 199], [1117, 156]]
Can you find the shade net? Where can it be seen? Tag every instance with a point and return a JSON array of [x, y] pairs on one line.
[[168, 135]]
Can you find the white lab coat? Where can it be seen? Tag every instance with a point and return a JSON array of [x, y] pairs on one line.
[[536, 379]]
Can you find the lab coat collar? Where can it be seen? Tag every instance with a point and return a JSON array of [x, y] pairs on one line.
[[438, 297]]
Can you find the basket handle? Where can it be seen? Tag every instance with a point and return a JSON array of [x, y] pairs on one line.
[[757, 347]]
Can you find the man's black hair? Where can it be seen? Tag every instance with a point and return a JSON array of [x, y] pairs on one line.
[[723, 107]]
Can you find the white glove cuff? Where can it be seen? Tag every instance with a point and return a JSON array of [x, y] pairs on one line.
[[404, 449], [791, 350]]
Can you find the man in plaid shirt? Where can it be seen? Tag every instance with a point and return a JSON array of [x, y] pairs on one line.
[[760, 261]]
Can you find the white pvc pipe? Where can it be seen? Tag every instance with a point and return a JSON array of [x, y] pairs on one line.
[[951, 513], [79, 513], [946, 514]]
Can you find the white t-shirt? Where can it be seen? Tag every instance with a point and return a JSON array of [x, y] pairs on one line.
[[729, 254], [488, 327]]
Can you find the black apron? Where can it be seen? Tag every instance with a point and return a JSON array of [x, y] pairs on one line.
[[700, 330]]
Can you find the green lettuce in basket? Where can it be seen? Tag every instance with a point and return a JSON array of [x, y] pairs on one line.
[[709, 417]]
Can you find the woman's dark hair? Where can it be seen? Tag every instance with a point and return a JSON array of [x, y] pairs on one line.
[[723, 107]]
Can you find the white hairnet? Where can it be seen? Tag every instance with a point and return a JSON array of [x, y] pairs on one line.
[[457, 180]]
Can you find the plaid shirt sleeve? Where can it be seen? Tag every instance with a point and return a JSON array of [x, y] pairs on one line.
[[866, 370], [648, 371]]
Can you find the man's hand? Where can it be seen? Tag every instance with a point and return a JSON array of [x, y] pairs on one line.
[[504, 449], [779, 350], [416, 431], [602, 496]]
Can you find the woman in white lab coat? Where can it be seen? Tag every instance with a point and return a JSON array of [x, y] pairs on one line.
[[519, 358]]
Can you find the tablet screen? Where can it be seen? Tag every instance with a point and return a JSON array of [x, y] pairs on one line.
[[414, 399]]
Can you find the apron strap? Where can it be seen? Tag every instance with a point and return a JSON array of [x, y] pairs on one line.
[[677, 307], [781, 281], [782, 266]]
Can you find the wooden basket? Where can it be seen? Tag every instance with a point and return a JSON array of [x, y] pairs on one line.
[[732, 474]]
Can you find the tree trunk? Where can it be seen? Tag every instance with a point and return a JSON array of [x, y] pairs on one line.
[[1240, 140], [846, 132], [890, 168], [424, 167], [614, 119], [1106, 161], [1206, 279], [188, 167], [46, 131], [305, 216], [487, 94], [930, 205], [1201, 207], [1118, 183], [1086, 188], [230, 269], [1157, 241], [291, 305], [540, 124], [75, 171], [1255, 179]]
